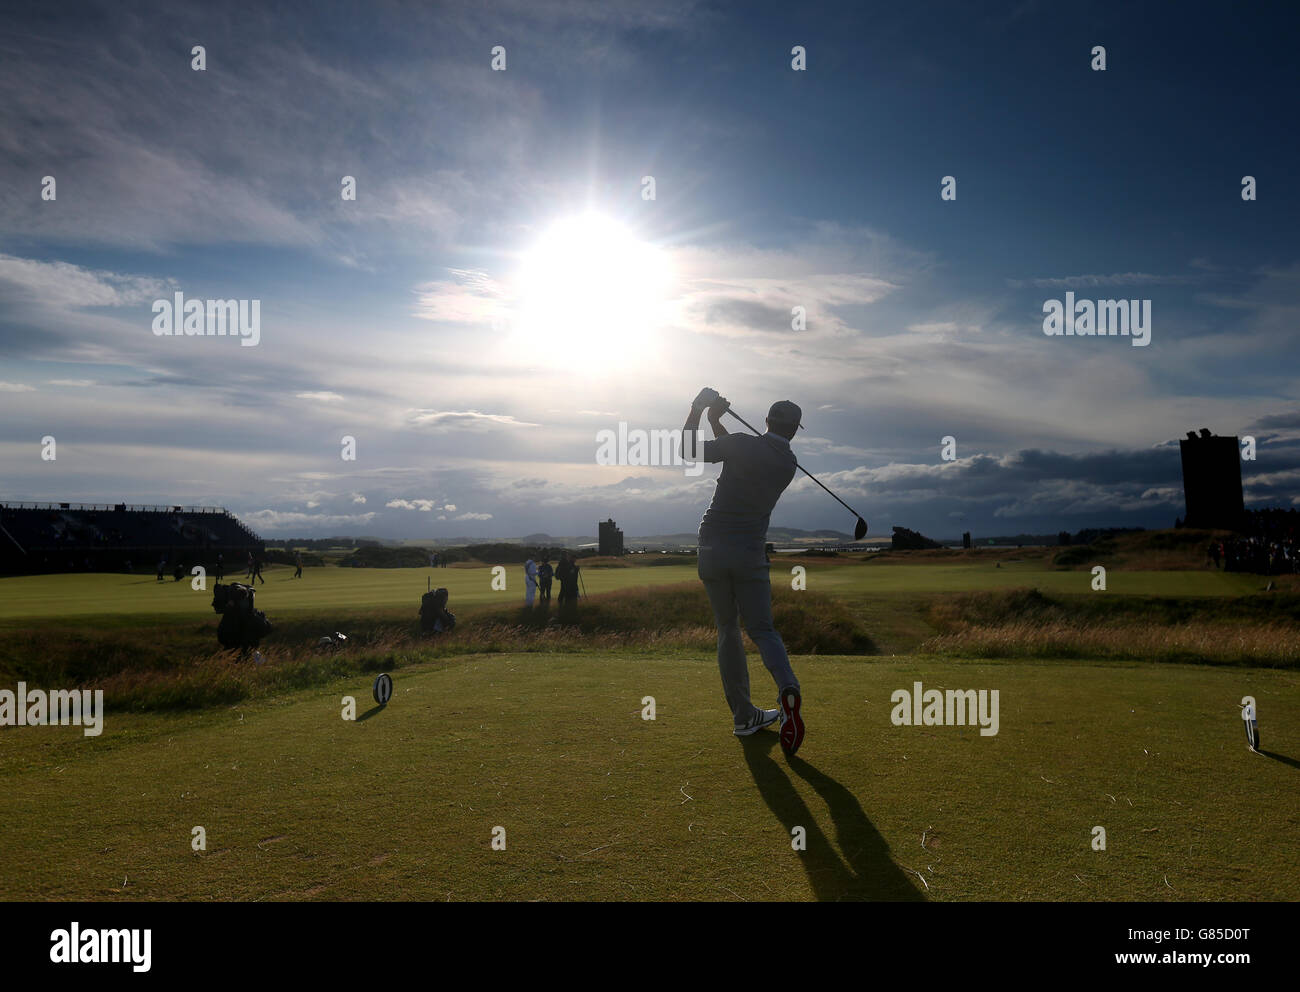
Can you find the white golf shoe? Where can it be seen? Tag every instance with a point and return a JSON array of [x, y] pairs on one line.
[[763, 718]]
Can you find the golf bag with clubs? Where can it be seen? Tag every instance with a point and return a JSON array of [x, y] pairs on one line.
[[242, 626], [435, 618]]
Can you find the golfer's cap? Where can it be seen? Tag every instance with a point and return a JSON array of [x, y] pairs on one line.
[[785, 412]]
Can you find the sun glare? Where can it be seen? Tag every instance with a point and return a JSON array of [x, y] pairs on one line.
[[589, 287]]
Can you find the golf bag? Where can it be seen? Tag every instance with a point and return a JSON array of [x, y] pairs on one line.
[[242, 626], [435, 618]]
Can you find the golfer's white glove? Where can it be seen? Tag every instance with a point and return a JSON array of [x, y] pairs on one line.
[[706, 398]]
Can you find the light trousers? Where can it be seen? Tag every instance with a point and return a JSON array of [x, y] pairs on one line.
[[736, 579]]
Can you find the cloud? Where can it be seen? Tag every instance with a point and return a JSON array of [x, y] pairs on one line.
[[1093, 281], [423, 505], [268, 520], [320, 397], [742, 306], [64, 286], [72, 383], [474, 516], [443, 421], [358, 498], [16, 387], [824, 446], [469, 297]]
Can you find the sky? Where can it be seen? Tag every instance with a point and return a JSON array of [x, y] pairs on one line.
[[507, 283]]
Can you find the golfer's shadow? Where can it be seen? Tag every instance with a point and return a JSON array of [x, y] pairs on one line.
[[1282, 758], [869, 872]]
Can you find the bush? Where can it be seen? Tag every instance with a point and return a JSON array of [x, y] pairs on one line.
[[1075, 555]]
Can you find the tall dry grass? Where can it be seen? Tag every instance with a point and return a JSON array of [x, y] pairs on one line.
[[159, 665], [1024, 623]]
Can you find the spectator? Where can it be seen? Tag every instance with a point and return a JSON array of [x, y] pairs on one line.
[[544, 575], [567, 573], [530, 581], [1268, 543]]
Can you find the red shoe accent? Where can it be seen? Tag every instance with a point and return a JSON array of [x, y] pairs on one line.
[[792, 724]]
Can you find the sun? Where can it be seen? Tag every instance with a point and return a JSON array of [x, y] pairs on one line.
[[589, 288]]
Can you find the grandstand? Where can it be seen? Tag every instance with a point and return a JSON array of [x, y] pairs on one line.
[[81, 537]]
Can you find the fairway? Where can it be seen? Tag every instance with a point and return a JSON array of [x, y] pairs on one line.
[[599, 803], [320, 590], [332, 588]]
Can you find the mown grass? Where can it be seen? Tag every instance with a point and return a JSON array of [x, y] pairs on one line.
[[600, 804]]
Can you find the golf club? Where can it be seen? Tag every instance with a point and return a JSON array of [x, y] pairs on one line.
[[860, 530]]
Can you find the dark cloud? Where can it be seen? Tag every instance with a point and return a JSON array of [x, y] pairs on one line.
[[749, 314]]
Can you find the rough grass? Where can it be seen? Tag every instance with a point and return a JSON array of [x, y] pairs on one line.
[[167, 664], [1018, 623], [169, 659]]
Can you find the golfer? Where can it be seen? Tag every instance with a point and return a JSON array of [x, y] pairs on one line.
[[732, 563]]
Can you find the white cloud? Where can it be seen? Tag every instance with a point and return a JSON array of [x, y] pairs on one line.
[[320, 397], [424, 505], [16, 387], [267, 520], [474, 516], [442, 421], [73, 383], [62, 285], [470, 296]]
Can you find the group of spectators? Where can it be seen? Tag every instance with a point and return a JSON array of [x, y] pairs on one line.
[[538, 579], [1268, 543]]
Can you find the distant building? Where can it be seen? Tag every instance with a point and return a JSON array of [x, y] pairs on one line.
[[1212, 481], [611, 538]]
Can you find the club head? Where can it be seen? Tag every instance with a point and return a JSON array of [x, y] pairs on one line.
[[860, 531]]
